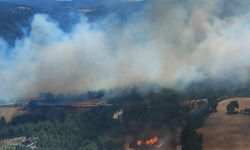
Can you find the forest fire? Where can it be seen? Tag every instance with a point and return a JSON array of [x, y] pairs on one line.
[[139, 142], [151, 141]]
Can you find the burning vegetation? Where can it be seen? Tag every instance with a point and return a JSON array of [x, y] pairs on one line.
[[150, 141], [141, 122]]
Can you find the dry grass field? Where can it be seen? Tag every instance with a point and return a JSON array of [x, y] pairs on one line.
[[227, 132], [8, 112], [11, 111]]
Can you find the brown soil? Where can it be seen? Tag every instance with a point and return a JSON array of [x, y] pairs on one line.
[[227, 132]]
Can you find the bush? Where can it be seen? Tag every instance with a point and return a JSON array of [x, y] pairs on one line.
[[232, 107]]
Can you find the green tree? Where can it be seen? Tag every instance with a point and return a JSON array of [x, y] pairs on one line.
[[232, 107], [88, 145], [2, 121], [191, 140]]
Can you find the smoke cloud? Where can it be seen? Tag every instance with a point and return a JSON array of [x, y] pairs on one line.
[[169, 43]]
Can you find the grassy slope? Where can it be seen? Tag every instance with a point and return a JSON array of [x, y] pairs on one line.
[[9, 112], [227, 132]]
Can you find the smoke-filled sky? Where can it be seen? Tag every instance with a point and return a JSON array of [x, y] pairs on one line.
[[169, 43]]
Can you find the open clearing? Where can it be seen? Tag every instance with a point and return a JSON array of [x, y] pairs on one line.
[[227, 132], [8, 112]]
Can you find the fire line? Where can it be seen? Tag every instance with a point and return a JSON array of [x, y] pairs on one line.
[[151, 141]]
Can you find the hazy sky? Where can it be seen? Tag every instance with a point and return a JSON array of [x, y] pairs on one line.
[[170, 43]]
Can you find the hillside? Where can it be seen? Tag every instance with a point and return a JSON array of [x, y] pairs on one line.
[[154, 119], [16, 15], [224, 132], [13, 17], [124, 75]]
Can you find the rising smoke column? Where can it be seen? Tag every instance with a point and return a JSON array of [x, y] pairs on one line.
[[167, 43]]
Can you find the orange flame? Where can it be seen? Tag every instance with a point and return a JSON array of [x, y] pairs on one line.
[[151, 141], [139, 142]]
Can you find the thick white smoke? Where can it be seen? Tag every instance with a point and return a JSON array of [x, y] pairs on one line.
[[168, 43]]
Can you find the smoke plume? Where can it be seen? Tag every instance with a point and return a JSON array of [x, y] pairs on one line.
[[169, 43]]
